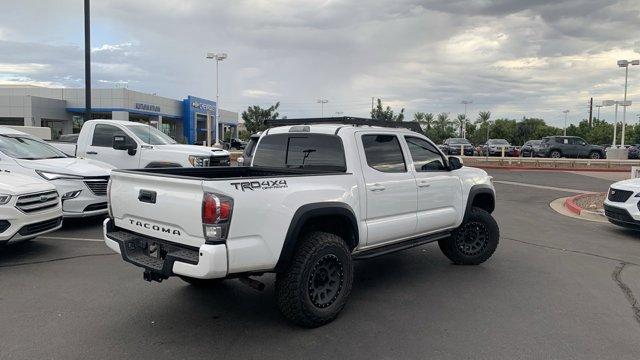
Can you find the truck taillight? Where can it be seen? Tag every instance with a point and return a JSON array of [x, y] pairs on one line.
[[109, 198], [216, 216]]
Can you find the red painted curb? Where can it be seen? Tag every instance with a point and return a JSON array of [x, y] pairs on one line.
[[571, 205], [548, 168]]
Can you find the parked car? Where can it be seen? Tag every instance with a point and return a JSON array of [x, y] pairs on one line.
[[621, 205], [530, 148], [71, 138], [494, 147], [29, 207], [131, 145], [569, 146], [317, 197], [453, 146], [81, 183], [247, 154], [234, 144], [634, 151]]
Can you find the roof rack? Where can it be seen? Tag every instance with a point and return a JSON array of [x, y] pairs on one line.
[[347, 120]]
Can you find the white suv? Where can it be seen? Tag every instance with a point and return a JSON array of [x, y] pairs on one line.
[[622, 206], [28, 207]]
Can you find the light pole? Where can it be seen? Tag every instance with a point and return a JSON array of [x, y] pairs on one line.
[[625, 64], [464, 124], [565, 121], [486, 152], [322, 101], [217, 57], [598, 107]]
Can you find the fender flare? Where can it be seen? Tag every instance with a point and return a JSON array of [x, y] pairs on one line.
[[300, 218], [477, 190]]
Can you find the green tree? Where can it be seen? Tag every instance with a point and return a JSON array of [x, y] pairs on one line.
[[386, 114], [483, 117], [424, 119], [461, 121], [255, 116]]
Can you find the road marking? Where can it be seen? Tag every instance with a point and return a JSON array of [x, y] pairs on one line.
[[69, 238], [575, 191]]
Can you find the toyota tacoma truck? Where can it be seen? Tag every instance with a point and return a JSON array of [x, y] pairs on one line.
[[131, 145], [315, 198]]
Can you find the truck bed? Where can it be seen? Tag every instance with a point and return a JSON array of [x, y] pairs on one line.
[[233, 172]]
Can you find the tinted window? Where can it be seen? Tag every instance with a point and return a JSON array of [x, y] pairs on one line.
[[248, 150], [103, 135], [383, 153], [425, 156], [301, 151]]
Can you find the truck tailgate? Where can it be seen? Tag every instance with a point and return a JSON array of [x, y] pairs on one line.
[[167, 208]]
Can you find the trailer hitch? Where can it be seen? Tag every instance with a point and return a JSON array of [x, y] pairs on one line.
[[151, 276]]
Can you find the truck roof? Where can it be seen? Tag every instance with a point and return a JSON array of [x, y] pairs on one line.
[[331, 129], [9, 131], [109, 121]]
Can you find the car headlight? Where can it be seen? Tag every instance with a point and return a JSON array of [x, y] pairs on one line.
[[198, 161], [55, 176], [4, 198]]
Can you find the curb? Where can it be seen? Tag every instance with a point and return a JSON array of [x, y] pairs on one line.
[[571, 205], [623, 170]]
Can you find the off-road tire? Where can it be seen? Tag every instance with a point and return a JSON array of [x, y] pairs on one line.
[[556, 154], [203, 283], [320, 256], [474, 241], [595, 155]]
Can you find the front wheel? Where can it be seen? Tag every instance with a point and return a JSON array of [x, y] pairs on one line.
[[474, 241], [315, 288], [595, 155], [556, 154]]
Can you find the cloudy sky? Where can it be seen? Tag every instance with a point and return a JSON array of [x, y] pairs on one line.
[[515, 58]]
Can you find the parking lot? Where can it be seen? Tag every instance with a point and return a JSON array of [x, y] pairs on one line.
[[557, 287]]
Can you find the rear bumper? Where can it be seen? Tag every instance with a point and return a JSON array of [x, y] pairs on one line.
[[205, 262]]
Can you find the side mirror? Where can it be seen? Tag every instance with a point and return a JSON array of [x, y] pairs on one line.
[[455, 163], [122, 142]]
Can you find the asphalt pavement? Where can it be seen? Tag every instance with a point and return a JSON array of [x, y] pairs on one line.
[[557, 287]]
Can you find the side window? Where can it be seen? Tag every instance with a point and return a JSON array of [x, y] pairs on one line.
[[383, 153], [103, 135], [301, 151], [425, 156]]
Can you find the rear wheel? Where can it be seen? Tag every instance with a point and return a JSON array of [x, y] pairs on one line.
[[556, 154], [474, 241], [315, 288], [595, 155]]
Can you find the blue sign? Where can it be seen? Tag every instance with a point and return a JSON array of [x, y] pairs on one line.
[[192, 106]]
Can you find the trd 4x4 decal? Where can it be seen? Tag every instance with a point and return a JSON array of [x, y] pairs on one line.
[[260, 185]]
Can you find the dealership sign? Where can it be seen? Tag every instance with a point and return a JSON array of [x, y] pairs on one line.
[[147, 107], [203, 106]]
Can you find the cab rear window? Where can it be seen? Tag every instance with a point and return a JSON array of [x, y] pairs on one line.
[[301, 151]]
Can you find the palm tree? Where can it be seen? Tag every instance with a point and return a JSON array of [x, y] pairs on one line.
[[425, 119], [443, 121], [483, 117]]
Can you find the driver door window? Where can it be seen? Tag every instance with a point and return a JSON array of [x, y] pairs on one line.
[[101, 148]]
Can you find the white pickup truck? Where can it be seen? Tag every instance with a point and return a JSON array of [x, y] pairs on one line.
[[29, 207], [131, 145], [315, 198]]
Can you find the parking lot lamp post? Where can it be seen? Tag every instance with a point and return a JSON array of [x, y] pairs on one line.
[[486, 153], [611, 103], [625, 64], [565, 121], [464, 124], [322, 101], [217, 57], [598, 107]]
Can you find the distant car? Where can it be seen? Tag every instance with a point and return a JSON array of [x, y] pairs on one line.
[[493, 147], [621, 205], [530, 148], [234, 144], [453, 146], [634, 151], [569, 146], [247, 154]]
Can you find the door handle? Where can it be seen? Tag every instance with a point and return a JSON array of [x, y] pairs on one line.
[[376, 187], [423, 184], [92, 153]]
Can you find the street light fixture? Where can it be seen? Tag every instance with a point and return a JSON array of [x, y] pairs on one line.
[[322, 101], [217, 57], [464, 124], [565, 121], [625, 64]]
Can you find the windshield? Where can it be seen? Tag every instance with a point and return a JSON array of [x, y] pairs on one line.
[[498, 142], [25, 147], [459, 141], [150, 135]]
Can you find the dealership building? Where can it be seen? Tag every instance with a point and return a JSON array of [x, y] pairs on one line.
[[62, 110]]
